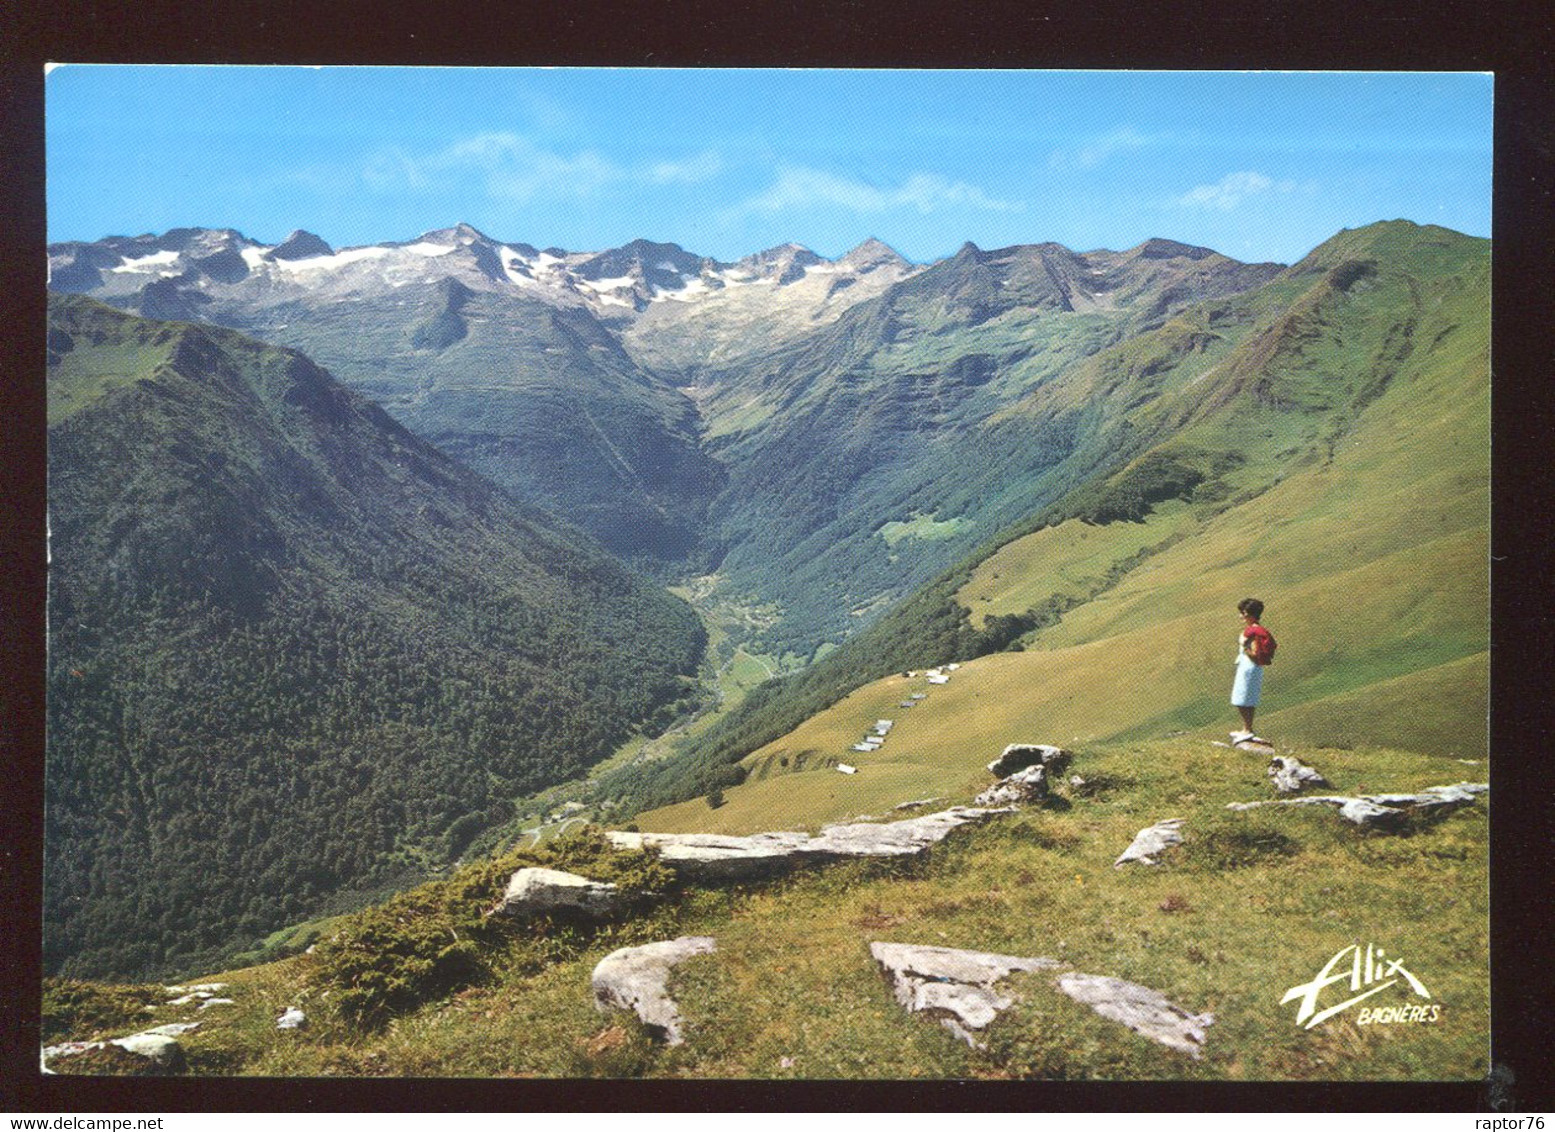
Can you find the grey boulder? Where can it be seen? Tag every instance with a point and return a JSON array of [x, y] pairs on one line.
[[161, 1051], [1024, 787], [1150, 842], [1018, 756], [1291, 775], [637, 979], [535, 891], [1147, 1012], [956, 987]]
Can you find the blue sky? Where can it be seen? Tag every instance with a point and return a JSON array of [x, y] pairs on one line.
[[1260, 166]]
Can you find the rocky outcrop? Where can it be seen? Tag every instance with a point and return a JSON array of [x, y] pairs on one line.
[[1147, 1012], [717, 856], [537, 891], [1018, 756], [906, 838], [637, 979], [1023, 788], [194, 992], [956, 987], [1386, 812], [1151, 842], [153, 1053], [1291, 775], [720, 857]]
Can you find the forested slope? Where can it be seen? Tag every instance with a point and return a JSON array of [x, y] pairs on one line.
[[295, 651]]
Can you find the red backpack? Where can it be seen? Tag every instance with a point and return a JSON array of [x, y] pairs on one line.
[[1261, 644]]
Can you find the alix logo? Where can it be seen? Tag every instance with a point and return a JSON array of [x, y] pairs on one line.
[[1370, 969]]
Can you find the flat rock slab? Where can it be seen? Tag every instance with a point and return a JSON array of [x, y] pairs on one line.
[[905, 838], [1147, 1012], [719, 857], [1291, 775], [1018, 756], [956, 987], [535, 891], [637, 979], [1151, 842], [716, 856], [1385, 812]]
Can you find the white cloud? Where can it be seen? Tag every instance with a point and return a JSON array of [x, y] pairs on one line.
[[1231, 190], [704, 166], [513, 168], [799, 187], [1101, 148]]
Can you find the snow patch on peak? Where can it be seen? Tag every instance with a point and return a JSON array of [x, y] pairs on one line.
[[326, 262], [620, 282], [150, 262]]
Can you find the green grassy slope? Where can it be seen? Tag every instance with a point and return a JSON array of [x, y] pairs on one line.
[[1247, 907]]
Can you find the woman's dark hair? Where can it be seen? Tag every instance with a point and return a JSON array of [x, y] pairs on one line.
[[1250, 605]]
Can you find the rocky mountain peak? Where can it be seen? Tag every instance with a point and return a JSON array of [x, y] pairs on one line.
[[1171, 249], [871, 254], [459, 234], [640, 259], [786, 263], [300, 245], [200, 241]]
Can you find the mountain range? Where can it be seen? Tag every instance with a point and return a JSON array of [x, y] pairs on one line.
[[796, 425]]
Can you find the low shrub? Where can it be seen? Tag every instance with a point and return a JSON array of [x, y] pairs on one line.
[[82, 1011], [438, 937]]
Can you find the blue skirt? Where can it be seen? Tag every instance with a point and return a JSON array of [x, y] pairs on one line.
[[1248, 685]]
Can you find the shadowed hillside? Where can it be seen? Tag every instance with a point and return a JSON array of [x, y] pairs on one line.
[[294, 650]]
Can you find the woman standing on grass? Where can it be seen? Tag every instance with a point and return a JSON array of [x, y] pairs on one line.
[[1255, 649]]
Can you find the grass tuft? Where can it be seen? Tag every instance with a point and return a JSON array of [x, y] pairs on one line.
[[1236, 844]]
